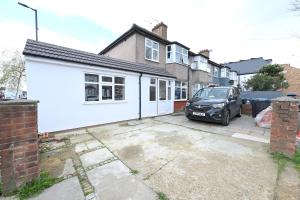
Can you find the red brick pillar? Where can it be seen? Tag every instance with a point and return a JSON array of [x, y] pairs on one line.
[[284, 125], [18, 143]]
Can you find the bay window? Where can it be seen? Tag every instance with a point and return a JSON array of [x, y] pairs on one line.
[[112, 88], [216, 72], [224, 72], [180, 90], [151, 50], [177, 54]]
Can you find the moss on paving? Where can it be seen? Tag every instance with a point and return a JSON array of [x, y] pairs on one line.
[[162, 196]]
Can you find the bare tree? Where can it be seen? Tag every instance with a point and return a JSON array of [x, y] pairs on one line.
[[12, 71]]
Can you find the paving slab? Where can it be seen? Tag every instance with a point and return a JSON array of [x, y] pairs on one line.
[[80, 138], [68, 168], [67, 189], [288, 184], [185, 162], [81, 147], [93, 144], [114, 181], [95, 157]]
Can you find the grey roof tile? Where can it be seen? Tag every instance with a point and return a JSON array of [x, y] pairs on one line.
[[50, 51], [250, 66]]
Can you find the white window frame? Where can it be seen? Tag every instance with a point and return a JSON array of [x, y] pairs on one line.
[[155, 86], [181, 87], [216, 72], [166, 90], [224, 72], [152, 49], [174, 50], [100, 83], [169, 95], [118, 84]]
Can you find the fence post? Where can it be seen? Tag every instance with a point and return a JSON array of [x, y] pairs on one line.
[[18, 143], [284, 126]]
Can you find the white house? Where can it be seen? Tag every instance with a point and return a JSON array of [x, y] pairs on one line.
[[78, 89]]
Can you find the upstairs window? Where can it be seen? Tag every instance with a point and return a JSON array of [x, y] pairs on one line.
[[177, 54], [225, 72], [216, 72], [151, 50], [181, 55]]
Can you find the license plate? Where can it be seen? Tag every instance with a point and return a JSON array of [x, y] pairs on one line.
[[199, 114]]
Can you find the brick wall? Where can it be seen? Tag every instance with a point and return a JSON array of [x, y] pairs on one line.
[[18, 143], [179, 105], [284, 126], [292, 75]]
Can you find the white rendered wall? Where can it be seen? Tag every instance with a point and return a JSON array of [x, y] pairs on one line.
[[60, 88]]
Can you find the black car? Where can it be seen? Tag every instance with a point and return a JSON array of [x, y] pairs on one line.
[[215, 104]]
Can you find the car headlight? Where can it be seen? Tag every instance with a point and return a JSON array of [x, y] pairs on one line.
[[218, 105]]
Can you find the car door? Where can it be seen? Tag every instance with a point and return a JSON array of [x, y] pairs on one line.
[[233, 102]]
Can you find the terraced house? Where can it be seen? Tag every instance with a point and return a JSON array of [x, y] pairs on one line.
[[192, 70]]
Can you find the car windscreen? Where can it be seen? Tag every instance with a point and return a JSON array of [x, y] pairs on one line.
[[212, 93]]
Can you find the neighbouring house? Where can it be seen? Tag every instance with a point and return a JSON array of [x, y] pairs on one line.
[[200, 71], [77, 89], [152, 47], [246, 69], [292, 75]]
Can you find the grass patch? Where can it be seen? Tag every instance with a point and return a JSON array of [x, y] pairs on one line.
[[282, 160], [296, 160], [36, 186], [162, 196], [134, 171]]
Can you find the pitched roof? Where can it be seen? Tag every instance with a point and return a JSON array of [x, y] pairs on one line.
[[249, 66], [138, 29], [50, 51]]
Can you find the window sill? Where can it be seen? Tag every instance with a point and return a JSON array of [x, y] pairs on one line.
[[180, 100], [103, 102], [182, 64], [156, 61]]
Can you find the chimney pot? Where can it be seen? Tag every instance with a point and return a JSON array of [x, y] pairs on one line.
[[161, 30], [205, 52]]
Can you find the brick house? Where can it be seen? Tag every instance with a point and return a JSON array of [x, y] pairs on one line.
[[292, 75], [192, 70]]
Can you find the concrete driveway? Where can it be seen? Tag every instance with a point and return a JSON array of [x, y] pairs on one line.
[[182, 159]]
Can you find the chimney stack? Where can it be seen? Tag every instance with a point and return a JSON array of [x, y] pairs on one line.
[[205, 52], [161, 30]]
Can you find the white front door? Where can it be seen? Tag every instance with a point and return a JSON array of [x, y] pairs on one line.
[[164, 97]]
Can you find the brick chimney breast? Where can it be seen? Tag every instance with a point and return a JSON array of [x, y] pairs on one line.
[[205, 52], [161, 30]]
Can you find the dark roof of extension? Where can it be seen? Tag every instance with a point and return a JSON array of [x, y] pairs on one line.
[[50, 51], [137, 29], [249, 66]]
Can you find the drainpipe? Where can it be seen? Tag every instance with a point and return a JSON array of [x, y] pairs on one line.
[[140, 96], [188, 86]]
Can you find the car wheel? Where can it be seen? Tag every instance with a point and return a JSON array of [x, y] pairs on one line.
[[226, 118], [240, 112]]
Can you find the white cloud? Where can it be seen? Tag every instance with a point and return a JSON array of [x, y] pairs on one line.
[[234, 29]]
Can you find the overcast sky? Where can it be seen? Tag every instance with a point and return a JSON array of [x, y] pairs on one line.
[[232, 29]]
